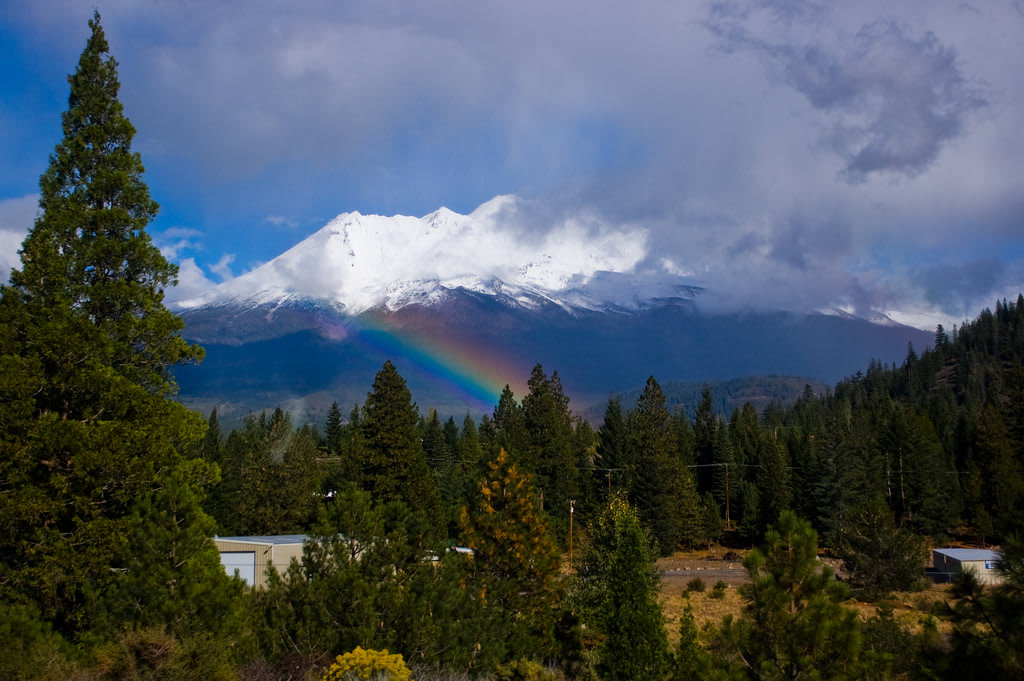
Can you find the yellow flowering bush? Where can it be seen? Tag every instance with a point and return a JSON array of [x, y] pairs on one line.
[[367, 665]]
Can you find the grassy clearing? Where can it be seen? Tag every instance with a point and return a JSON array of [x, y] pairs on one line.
[[674, 599], [911, 609]]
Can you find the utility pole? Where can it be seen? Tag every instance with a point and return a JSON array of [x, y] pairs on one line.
[[728, 524]]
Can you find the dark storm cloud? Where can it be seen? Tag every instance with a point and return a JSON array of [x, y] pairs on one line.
[[801, 239], [955, 287], [892, 100]]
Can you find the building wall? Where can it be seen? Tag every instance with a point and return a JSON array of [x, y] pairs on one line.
[[950, 566], [282, 555], [278, 555], [985, 571]]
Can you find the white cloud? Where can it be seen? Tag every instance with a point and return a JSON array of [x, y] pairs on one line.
[[174, 240], [16, 218], [223, 267], [281, 221], [192, 283]]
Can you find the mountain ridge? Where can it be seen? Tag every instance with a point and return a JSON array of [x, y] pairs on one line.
[[305, 350]]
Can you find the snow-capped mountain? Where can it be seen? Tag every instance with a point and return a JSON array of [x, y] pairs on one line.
[[463, 304], [359, 262]]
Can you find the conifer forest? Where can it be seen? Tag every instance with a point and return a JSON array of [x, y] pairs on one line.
[[520, 545]]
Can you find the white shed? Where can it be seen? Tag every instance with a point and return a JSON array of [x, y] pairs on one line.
[[982, 562], [248, 557]]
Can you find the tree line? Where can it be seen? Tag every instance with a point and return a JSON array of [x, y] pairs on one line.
[[929, 449]]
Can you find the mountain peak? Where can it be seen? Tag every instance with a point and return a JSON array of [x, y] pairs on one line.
[[358, 262]]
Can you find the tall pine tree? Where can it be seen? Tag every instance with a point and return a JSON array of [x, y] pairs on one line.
[[662, 492], [91, 443], [394, 466], [617, 583], [549, 454]]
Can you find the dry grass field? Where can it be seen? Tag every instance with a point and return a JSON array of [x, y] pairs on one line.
[[911, 609]]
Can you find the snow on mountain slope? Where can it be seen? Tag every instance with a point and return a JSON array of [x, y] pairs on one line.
[[358, 262]]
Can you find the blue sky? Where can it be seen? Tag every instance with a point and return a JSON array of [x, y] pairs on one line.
[[798, 155]]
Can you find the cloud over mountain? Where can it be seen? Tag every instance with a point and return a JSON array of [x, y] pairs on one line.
[[793, 154], [363, 261]]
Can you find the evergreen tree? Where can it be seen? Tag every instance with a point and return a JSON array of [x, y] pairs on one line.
[[444, 464], [745, 428], [451, 436], [793, 622], [710, 519], [271, 481], [705, 424], [395, 468], [225, 501], [334, 432], [354, 457], [661, 493], [168, 528], [1001, 466], [881, 557], [684, 438], [510, 425], [91, 443], [691, 660], [614, 469], [549, 454], [210, 445], [434, 447], [469, 444], [515, 560], [617, 584], [218, 501], [923, 487], [723, 470], [773, 479], [262, 445], [584, 455], [301, 481], [367, 579], [488, 435], [469, 466]]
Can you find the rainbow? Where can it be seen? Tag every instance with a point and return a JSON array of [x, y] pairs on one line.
[[475, 374]]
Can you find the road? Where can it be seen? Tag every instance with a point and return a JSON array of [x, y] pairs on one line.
[[710, 575]]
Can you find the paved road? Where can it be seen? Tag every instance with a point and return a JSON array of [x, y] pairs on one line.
[[724, 574]]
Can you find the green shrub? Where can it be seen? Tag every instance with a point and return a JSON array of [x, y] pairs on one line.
[[29, 648], [718, 591], [527, 670], [696, 584], [151, 653]]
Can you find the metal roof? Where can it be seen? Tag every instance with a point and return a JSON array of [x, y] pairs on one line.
[[969, 554], [276, 540]]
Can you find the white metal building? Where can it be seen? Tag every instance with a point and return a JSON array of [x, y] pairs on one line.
[[248, 557], [982, 562]]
